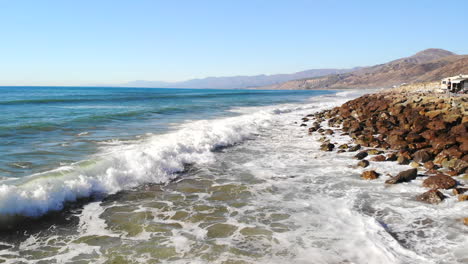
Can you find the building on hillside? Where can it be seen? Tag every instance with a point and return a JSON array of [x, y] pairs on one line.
[[455, 84]]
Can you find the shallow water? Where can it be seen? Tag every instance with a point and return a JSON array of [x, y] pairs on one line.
[[254, 189]]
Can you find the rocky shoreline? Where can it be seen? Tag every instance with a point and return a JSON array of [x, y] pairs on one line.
[[426, 130]]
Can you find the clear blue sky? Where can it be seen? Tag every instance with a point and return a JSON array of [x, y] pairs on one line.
[[109, 42]]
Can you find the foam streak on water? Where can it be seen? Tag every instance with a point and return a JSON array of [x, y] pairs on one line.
[[269, 197]]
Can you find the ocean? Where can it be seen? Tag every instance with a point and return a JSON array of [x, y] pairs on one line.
[[135, 175]]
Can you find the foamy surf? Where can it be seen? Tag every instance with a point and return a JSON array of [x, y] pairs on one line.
[[155, 159]]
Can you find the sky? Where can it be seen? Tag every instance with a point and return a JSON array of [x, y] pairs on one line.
[[114, 41]]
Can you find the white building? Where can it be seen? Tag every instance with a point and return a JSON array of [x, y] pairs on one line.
[[455, 83]]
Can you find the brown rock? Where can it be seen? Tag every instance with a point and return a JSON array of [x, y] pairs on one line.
[[443, 142], [369, 175], [431, 196], [454, 152], [449, 164], [373, 152], [422, 156], [404, 176], [433, 114], [327, 147], [436, 125], [465, 220], [429, 134], [440, 181], [457, 191], [343, 146], [354, 148], [460, 166], [402, 160], [462, 197], [441, 157], [464, 147], [361, 155], [378, 158], [414, 137], [391, 157], [459, 129], [363, 163], [429, 165], [432, 171]]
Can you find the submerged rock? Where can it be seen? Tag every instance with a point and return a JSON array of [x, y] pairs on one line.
[[369, 175], [363, 163], [327, 147], [343, 146], [431, 196], [404, 176]]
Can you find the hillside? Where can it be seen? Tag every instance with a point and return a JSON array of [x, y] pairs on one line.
[[238, 81], [427, 65]]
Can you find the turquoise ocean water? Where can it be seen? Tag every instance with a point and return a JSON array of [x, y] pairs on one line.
[[42, 128]]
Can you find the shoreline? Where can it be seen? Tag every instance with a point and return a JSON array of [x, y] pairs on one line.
[[422, 129]]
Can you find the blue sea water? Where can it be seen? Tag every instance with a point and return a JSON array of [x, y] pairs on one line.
[[42, 128]]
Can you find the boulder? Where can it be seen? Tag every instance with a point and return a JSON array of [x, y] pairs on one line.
[[460, 166], [343, 146], [327, 147], [404, 176], [431, 196], [354, 148], [462, 197], [436, 125], [369, 175], [391, 157], [374, 152], [402, 160], [457, 191], [363, 163], [440, 181], [378, 158], [429, 165], [361, 155], [422, 156]]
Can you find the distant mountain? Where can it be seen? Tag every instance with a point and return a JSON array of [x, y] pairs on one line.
[[427, 65], [238, 81]]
